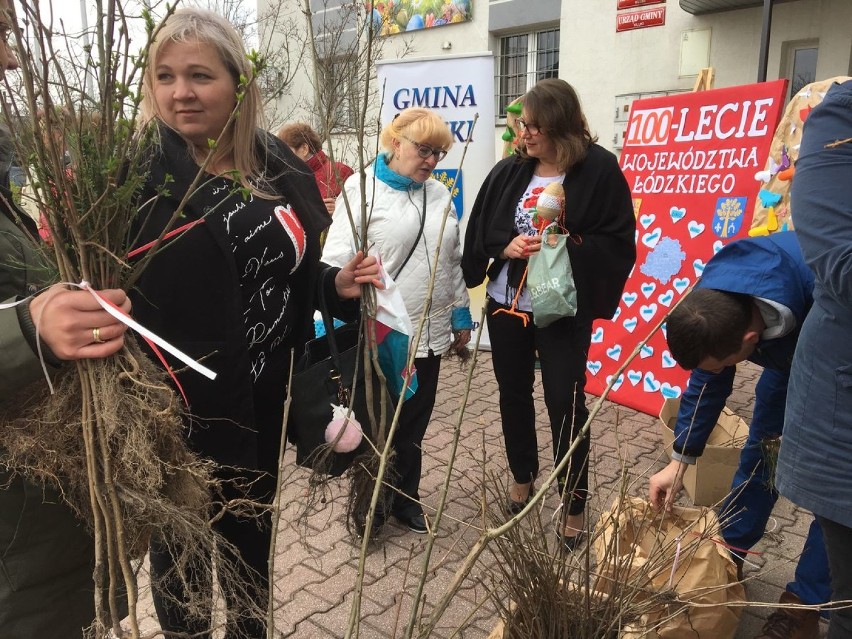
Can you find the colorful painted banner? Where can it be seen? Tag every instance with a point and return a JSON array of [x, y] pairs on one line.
[[690, 160], [629, 4], [640, 19], [398, 16]]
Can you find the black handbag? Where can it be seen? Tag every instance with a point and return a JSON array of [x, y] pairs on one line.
[[325, 375]]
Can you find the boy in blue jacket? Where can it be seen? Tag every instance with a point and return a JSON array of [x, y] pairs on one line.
[[749, 305]]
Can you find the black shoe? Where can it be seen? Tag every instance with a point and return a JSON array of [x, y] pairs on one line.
[[515, 507], [570, 544], [416, 523]]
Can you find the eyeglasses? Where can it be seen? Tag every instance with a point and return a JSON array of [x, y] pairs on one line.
[[425, 151], [523, 125]]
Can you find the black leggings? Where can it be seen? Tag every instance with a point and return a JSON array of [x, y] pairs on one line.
[[562, 349], [408, 441], [246, 538]]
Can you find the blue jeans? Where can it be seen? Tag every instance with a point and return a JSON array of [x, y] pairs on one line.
[[746, 511]]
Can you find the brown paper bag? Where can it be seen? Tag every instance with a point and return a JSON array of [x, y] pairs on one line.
[[678, 554]]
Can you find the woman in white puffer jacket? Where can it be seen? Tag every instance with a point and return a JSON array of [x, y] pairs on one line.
[[405, 209]]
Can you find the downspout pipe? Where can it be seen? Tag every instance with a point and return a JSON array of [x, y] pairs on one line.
[[764, 41]]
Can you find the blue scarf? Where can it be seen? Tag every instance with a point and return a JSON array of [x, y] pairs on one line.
[[392, 178]]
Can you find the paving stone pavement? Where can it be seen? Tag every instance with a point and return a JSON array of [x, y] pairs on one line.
[[317, 559]]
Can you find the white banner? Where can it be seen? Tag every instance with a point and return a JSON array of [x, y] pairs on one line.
[[458, 88]]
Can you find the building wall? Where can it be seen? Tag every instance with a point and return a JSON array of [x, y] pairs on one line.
[[603, 64], [454, 39], [505, 15]]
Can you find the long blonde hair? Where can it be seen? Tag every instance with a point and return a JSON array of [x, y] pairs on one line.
[[241, 142]]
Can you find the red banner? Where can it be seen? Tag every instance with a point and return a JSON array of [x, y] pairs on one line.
[[629, 4], [690, 160], [640, 19]]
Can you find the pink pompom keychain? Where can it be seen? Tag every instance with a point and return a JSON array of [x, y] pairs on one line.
[[348, 440]]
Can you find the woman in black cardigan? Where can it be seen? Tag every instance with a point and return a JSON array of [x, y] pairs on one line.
[[555, 146], [237, 287]]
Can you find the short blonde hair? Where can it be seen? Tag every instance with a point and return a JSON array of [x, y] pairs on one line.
[[420, 125], [192, 24]]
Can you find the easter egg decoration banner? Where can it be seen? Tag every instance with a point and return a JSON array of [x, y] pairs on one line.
[[399, 16], [690, 161]]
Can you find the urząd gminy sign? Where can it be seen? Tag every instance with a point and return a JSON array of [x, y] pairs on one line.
[[640, 19]]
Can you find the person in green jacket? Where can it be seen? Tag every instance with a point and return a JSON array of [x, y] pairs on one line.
[[46, 553]]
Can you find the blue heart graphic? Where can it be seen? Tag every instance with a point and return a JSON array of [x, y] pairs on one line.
[[650, 239], [677, 214], [634, 376], [666, 298], [668, 391], [648, 288], [630, 324], [647, 220], [681, 284], [698, 265], [695, 229], [629, 298], [651, 384], [614, 352], [668, 361], [648, 311], [598, 335], [594, 367], [618, 382], [646, 351]]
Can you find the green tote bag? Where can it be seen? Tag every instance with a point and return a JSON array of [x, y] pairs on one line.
[[551, 282]]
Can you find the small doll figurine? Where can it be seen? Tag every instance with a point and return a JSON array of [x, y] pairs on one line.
[[548, 209]]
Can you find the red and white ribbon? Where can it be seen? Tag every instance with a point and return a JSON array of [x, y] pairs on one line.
[[154, 340], [124, 318]]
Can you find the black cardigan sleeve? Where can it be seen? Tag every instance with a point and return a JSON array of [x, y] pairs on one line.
[[599, 216], [491, 224]]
